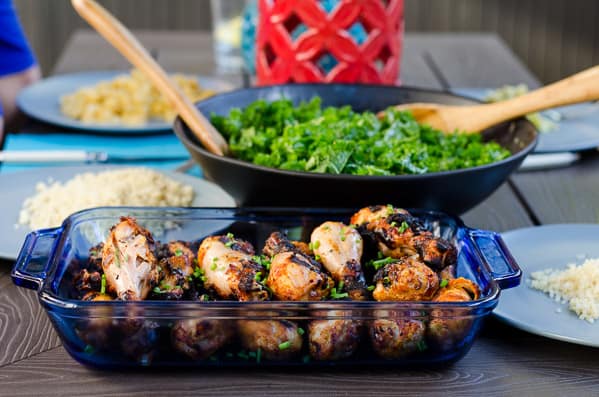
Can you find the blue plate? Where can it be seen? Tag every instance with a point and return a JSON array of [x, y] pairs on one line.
[[42, 101], [539, 248], [578, 130]]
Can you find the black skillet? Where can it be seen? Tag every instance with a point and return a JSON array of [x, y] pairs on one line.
[[450, 191]]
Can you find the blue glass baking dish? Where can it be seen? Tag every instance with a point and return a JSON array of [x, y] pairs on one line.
[[93, 332]]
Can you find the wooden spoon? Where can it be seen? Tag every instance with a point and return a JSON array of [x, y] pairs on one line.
[[122, 39], [581, 87]]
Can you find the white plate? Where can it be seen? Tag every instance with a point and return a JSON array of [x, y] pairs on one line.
[[17, 186], [42, 101], [539, 248]]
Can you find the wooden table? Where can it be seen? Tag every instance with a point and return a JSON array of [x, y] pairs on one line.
[[503, 361]]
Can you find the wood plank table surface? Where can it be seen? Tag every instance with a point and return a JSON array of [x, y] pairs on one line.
[[503, 361]]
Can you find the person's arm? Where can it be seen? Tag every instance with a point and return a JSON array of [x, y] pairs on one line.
[[10, 86], [18, 67]]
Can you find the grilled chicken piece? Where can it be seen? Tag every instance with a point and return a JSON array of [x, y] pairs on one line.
[[96, 331], [398, 234], [139, 339], [128, 261], [200, 338], [276, 339], [175, 270], [339, 248], [333, 339], [229, 268], [448, 327], [396, 338], [405, 280], [294, 276]]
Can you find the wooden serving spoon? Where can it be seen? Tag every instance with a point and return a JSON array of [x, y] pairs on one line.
[[581, 87], [122, 39]]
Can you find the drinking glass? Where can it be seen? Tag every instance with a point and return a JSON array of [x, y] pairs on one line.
[[226, 32]]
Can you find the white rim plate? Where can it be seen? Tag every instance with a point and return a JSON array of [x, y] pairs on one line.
[[15, 187]]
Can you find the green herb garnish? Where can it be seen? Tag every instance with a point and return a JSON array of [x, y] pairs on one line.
[[444, 283], [336, 292], [285, 345], [314, 245], [404, 226], [178, 252], [258, 355], [89, 349], [377, 264], [300, 331], [371, 288], [421, 346], [103, 284]]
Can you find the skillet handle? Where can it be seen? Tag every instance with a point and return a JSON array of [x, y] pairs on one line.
[[497, 258], [34, 258]]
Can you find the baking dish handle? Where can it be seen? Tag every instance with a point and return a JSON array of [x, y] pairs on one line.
[[34, 258], [498, 259]]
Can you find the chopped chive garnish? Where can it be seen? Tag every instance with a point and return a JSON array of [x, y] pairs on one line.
[[314, 245], [404, 226], [421, 345], [213, 266], [390, 209], [380, 262], [386, 280], [300, 331], [285, 345], [370, 288], [229, 244], [230, 235], [341, 284], [317, 257], [159, 268], [258, 355], [178, 252], [393, 224], [203, 278], [103, 284], [243, 355], [444, 283], [380, 255], [89, 349], [258, 276]]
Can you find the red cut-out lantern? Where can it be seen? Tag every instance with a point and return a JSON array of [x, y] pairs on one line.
[[281, 58]]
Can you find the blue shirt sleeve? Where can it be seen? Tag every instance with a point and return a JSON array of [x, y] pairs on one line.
[[15, 53]]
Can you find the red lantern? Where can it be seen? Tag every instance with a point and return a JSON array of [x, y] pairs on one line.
[[281, 59]]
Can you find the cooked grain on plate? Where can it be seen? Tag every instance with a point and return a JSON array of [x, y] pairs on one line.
[[129, 99], [54, 201], [577, 285]]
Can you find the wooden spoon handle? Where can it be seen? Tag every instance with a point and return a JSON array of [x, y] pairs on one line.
[[581, 87], [122, 39]]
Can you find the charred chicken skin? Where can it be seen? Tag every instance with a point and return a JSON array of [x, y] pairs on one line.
[[398, 234], [405, 280], [175, 269], [229, 268], [294, 276], [128, 261], [339, 248]]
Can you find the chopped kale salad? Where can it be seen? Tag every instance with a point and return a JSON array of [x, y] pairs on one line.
[[338, 140]]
